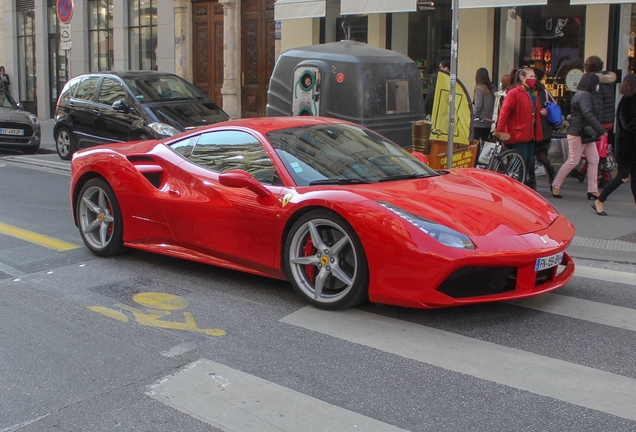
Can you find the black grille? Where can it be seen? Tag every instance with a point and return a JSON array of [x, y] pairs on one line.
[[28, 130], [479, 281], [544, 276]]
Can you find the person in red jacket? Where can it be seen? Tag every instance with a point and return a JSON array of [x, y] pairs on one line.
[[520, 115]]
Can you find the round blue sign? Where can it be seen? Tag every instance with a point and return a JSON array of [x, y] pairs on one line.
[[64, 9]]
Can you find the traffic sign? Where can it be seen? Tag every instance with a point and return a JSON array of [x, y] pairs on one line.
[[64, 9]]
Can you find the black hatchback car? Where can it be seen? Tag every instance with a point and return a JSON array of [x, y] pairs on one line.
[[104, 107]]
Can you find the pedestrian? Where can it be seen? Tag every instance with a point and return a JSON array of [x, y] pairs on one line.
[[484, 102], [521, 114], [504, 84], [606, 102], [5, 79], [584, 112], [625, 141], [428, 102], [541, 147]]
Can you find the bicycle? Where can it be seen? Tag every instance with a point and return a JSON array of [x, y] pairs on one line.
[[507, 162]]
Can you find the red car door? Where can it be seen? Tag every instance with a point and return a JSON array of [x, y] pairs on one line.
[[230, 223]]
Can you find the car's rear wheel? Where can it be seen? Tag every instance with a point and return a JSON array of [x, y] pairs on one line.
[[325, 261], [99, 218], [64, 144]]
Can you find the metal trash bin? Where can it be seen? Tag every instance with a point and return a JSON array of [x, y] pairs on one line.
[[421, 130]]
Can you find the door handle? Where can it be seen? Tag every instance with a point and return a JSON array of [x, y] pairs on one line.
[[243, 79], [96, 111], [174, 193]]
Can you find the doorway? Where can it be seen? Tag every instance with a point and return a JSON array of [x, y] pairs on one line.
[[257, 55], [208, 48]]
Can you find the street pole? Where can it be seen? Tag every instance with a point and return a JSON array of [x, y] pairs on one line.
[[453, 84]]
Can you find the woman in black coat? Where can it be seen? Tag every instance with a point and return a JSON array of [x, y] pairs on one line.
[[625, 142], [584, 113]]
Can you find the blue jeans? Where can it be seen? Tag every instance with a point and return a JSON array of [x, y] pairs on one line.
[[527, 153]]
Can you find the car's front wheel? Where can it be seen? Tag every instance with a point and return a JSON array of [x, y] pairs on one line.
[[325, 261], [99, 218], [64, 144]]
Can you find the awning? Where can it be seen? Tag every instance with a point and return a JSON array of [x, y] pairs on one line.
[[593, 2], [358, 7], [472, 4], [298, 9]]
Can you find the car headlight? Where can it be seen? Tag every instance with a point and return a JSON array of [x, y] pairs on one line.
[[439, 232], [163, 129], [33, 119]]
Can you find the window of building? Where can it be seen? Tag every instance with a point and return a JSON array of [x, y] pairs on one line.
[[25, 15], [632, 39], [356, 28], [553, 41], [143, 34], [100, 33], [58, 67]]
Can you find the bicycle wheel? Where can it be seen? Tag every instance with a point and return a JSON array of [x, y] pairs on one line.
[[511, 164]]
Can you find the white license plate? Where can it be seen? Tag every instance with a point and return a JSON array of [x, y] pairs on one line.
[[6, 131], [548, 262]]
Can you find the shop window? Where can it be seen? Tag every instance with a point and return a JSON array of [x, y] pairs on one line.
[[430, 38], [356, 28], [632, 39], [100, 33], [58, 67], [143, 34], [553, 41]]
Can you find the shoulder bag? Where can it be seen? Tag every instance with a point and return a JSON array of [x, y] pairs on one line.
[[555, 116], [589, 135]]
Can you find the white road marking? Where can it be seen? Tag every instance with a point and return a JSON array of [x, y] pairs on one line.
[[600, 313], [558, 379], [605, 275], [238, 402], [181, 348], [23, 424]]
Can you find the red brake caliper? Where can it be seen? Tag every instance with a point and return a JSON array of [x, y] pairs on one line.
[[309, 250]]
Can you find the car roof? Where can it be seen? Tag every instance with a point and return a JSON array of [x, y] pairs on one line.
[[129, 74]]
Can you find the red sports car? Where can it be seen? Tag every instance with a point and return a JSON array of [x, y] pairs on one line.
[[340, 211]]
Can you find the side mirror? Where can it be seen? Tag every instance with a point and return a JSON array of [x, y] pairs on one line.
[[242, 179], [121, 106], [18, 104]]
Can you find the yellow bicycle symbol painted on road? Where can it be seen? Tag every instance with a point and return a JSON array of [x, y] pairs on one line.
[[159, 306]]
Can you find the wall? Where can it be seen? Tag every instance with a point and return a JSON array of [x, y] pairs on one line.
[[298, 33], [596, 31], [475, 44]]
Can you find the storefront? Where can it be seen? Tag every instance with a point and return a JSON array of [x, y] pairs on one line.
[[555, 36]]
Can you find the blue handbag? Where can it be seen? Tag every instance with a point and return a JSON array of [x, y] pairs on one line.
[[555, 116]]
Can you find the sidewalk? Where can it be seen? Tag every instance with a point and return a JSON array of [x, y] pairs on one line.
[[606, 238]]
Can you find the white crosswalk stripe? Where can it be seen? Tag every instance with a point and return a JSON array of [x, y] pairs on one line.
[[201, 389]]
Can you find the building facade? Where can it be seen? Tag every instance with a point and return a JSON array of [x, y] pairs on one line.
[[228, 48]]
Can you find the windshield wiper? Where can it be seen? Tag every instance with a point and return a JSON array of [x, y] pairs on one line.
[[403, 177], [338, 181]]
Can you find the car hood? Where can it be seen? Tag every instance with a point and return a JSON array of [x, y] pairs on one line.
[[187, 114], [474, 201], [15, 114]]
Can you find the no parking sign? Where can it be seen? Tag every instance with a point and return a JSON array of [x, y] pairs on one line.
[[64, 9]]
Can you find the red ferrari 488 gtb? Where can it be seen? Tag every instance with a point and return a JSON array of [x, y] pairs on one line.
[[340, 211]]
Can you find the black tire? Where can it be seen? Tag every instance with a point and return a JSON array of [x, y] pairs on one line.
[[99, 218], [333, 274], [511, 164], [64, 143]]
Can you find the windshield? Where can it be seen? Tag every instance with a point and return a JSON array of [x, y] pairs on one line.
[[6, 101], [343, 154], [156, 88]]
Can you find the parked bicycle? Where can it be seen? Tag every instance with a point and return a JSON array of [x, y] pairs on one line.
[[493, 157]]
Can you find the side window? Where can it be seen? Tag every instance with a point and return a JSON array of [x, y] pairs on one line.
[[228, 150], [184, 147], [69, 89], [86, 88], [111, 91]]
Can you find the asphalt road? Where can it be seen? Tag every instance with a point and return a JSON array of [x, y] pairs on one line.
[[150, 343]]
